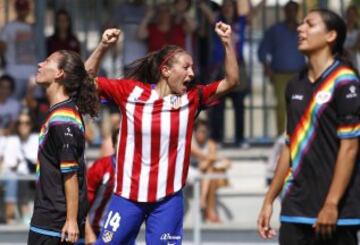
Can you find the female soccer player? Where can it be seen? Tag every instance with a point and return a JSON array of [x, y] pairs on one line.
[[318, 171], [158, 107], [61, 187]]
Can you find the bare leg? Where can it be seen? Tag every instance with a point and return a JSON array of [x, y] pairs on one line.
[[205, 185], [10, 212], [211, 213]]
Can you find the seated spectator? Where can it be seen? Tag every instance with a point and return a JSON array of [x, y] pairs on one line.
[[110, 121], [20, 155], [274, 158], [100, 185], [38, 105], [204, 159], [9, 107], [63, 37], [159, 28]]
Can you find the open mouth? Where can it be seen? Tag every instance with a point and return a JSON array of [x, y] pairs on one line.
[[187, 84], [301, 39]]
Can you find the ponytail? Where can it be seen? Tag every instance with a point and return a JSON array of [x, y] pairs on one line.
[[78, 84], [144, 69], [87, 98], [148, 69]]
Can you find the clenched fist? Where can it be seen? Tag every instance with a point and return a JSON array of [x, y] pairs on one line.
[[111, 36]]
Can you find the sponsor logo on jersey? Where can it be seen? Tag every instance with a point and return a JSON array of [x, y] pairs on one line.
[[297, 97], [322, 97], [169, 237]]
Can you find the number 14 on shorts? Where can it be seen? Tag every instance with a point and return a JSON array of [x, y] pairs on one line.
[[113, 220]]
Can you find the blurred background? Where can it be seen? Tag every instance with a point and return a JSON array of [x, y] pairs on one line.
[[247, 128]]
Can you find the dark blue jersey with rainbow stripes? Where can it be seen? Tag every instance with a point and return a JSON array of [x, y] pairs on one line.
[[61, 151], [319, 116]]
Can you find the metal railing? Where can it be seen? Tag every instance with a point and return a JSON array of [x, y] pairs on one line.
[[197, 227]]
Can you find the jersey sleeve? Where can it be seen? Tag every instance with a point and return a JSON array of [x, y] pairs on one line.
[[113, 89], [208, 91], [347, 97], [69, 141]]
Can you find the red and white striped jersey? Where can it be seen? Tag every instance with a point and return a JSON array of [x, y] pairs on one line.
[[155, 137], [100, 186]]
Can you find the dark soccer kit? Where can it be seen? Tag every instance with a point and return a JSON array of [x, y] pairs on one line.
[[61, 151], [319, 115]]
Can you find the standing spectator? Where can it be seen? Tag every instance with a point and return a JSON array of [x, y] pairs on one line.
[[20, 156], [159, 28], [236, 14], [159, 106], [206, 160], [182, 15], [352, 41], [9, 107], [60, 202], [100, 185], [18, 44], [281, 59], [317, 174], [63, 37], [128, 16]]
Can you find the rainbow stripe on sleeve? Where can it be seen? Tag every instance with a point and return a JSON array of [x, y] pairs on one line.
[[348, 131], [67, 167], [305, 131], [61, 116]]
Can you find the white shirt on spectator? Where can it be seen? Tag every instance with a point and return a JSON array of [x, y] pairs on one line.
[[16, 152], [2, 149]]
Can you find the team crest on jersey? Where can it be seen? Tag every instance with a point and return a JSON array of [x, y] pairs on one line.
[[175, 101], [352, 92], [322, 97], [107, 236]]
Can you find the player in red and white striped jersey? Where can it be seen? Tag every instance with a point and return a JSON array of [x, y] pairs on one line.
[[100, 186], [159, 107]]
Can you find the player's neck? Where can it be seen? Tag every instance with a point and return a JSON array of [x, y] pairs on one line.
[[318, 64], [56, 94], [162, 88]]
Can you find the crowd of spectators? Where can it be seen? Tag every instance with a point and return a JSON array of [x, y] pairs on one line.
[[23, 106]]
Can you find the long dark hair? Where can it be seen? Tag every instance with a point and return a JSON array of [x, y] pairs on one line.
[[148, 69], [334, 22], [69, 30], [78, 83]]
